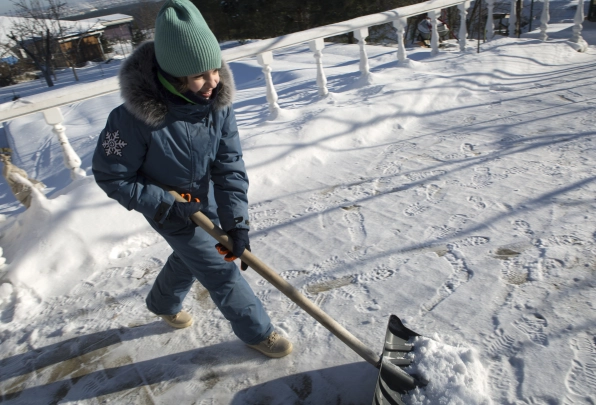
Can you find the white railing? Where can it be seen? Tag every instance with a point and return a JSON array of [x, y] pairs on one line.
[[263, 49]]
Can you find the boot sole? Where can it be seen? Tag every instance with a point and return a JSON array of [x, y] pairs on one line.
[[273, 354]]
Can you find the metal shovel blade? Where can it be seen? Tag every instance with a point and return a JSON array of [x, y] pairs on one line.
[[392, 380]]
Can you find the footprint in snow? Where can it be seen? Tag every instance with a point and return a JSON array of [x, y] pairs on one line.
[[513, 270], [380, 273], [355, 224], [263, 219], [434, 193], [581, 378], [523, 227], [474, 241], [534, 327], [388, 168], [502, 380], [415, 209], [477, 202], [135, 244], [367, 307], [501, 345], [461, 275]]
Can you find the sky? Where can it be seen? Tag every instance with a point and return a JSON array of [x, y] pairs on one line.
[[455, 191], [7, 6]]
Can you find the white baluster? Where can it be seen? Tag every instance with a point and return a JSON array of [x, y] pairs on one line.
[[490, 23], [434, 39], [400, 25], [577, 28], [512, 19], [463, 33], [317, 47], [265, 59], [54, 117], [544, 18], [360, 34]]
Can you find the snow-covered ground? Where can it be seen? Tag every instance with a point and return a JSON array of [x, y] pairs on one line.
[[456, 192]]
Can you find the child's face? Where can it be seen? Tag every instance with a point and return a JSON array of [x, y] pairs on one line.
[[203, 83]]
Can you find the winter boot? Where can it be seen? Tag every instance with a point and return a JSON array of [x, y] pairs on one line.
[[274, 346], [180, 320]]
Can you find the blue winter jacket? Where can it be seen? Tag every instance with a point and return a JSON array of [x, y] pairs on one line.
[[150, 143]]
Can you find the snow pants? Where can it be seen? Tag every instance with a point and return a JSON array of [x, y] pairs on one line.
[[195, 257]]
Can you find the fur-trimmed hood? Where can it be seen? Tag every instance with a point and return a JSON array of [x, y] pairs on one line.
[[145, 98]]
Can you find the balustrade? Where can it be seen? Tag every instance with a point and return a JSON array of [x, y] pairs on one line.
[[434, 38], [54, 117], [360, 35], [463, 11], [317, 47], [265, 59], [544, 17], [400, 25], [579, 43], [263, 51]]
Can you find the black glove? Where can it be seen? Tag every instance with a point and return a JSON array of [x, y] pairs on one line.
[[240, 240], [181, 211]]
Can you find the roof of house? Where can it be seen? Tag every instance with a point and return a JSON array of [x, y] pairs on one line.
[[108, 20], [69, 28]]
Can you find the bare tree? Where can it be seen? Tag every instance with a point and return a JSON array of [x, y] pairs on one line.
[[34, 33], [39, 31]]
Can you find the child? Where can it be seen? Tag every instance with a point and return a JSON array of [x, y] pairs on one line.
[[177, 130]]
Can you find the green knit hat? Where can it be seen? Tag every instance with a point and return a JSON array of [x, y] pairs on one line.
[[184, 44]]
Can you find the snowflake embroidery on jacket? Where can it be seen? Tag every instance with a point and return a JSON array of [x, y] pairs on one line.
[[112, 144]]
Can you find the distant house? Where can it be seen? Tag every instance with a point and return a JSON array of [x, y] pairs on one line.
[[82, 42], [117, 26], [78, 41]]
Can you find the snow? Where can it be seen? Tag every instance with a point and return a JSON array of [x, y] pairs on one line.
[[454, 191], [457, 374]]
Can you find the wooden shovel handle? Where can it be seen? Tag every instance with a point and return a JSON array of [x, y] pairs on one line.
[[286, 288]]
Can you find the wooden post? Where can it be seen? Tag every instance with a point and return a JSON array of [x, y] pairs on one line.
[[360, 35], [581, 44], [490, 23], [400, 25], [434, 39], [544, 17], [317, 47], [463, 11], [265, 59], [72, 161]]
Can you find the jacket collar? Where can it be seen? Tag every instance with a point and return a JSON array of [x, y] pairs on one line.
[[145, 97]]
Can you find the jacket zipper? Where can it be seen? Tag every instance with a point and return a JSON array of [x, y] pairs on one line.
[[192, 160]]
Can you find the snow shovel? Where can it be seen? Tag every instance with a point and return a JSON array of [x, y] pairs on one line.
[[392, 380]]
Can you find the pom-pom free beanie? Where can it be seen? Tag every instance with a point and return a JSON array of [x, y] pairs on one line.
[[184, 44]]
